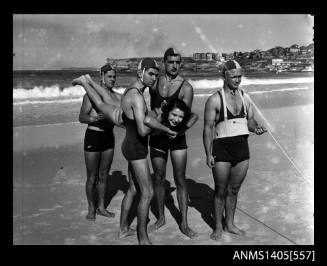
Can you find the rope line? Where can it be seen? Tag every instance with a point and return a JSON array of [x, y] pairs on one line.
[[272, 229], [279, 145]]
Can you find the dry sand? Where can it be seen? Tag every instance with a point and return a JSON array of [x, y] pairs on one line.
[[275, 205]]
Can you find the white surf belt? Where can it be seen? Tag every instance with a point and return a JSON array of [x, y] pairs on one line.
[[232, 127]]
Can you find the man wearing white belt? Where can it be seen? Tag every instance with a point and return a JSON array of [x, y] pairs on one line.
[[228, 118]]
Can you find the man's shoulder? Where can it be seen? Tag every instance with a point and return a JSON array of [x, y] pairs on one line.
[[187, 86], [214, 98]]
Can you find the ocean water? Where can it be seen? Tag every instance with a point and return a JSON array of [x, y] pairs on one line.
[[46, 97]]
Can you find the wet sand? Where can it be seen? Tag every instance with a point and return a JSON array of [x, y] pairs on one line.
[[275, 204]]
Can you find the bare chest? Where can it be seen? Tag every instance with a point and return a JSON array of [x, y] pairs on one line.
[[234, 103], [168, 88]]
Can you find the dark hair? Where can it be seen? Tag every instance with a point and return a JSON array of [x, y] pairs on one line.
[[171, 52], [107, 67], [176, 103]]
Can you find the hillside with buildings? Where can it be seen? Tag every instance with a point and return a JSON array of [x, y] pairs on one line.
[[278, 59]]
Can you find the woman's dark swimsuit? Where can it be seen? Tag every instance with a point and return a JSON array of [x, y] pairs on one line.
[[160, 144]]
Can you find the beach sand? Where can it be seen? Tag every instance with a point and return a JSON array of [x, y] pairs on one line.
[[275, 204]]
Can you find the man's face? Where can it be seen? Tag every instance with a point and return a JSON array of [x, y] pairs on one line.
[[234, 78], [150, 76], [175, 117], [172, 64], [109, 78]]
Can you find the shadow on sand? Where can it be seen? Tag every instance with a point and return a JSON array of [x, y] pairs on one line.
[[169, 203], [115, 182], [201, 198]]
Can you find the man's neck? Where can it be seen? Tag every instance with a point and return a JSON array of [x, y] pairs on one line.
[[139, 84], [108, 88], [230, 90], [170, 77]]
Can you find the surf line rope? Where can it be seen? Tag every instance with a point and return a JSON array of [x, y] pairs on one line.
[[277, 142]]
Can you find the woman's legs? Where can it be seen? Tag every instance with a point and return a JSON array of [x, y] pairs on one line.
[[178, 159], [110, 111], [159, 168]]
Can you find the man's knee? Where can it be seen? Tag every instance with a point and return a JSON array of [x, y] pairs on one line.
[[233, 190], [220, 191], [148, 194], [103, 175], [180, 180], [159, 178], [92, 179]]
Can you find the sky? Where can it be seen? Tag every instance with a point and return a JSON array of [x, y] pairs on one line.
[[55, 41]]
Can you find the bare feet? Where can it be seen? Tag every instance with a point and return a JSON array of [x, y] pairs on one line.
[[105, 213], [88, 77], [90, 215], [188, 231], [126, 233], [234, 230], [216, 235], [78, 81], [159, 223]]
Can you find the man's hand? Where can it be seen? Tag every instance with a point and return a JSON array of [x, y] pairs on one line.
[[158, 111], [100, 116], [171, 134], [210, 161], [259, 130]]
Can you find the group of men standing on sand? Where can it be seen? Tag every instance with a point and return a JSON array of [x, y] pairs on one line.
[[228, 119]]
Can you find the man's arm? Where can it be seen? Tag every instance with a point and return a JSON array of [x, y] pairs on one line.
[[188, 94], [190, 122], [84, 114], [253, 125], [102, 92], [109, 111], [145, 123], [210, 112]]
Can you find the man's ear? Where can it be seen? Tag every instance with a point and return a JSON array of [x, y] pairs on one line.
[[139, 73]]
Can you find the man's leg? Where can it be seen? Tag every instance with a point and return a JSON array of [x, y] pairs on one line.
[[220, 173], [124, 229], [141, 173], [159, 168], [92, 173], [178, 159], [237, 176], [104, 168]]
